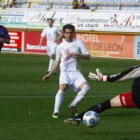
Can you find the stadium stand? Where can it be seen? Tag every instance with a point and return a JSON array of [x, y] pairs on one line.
[[22, 4], [130, 5], [43, 5], [67, 4], [60, 4]]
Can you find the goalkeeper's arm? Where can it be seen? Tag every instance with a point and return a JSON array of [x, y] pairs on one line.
[[130, 73]]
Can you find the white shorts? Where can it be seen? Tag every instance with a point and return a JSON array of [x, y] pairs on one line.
[[72, 78], [51, 48]]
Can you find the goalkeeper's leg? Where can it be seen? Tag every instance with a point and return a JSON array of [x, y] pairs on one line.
[[123, 100], [97, 108]]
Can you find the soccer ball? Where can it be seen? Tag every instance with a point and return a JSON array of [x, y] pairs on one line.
[[91, 119]]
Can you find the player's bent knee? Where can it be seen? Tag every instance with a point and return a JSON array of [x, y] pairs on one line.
[[85, 88], [60, 92], [64, 88]]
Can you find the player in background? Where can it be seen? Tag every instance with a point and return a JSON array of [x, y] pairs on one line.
[[123, 100], [68, 54], [4, 36], [51, 33]]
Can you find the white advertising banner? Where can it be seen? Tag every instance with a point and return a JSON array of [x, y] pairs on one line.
[[13, 18], [84, 20]]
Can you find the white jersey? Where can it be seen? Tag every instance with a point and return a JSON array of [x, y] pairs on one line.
[[51, 34], [70, 64]]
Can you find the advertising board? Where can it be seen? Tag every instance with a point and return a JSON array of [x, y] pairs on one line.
[[137, 47], [15, 42], [31, 43], [113, 46], [118, 21]]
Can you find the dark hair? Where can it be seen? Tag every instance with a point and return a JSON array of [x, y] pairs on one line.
[[68, 26], [50, 19]]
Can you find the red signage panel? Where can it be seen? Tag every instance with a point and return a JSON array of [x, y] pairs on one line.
[[31, 43], [15, 42]]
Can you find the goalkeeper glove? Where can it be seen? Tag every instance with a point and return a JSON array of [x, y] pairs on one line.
[[98, 76]]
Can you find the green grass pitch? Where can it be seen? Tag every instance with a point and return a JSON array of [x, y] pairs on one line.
[[26, 102]]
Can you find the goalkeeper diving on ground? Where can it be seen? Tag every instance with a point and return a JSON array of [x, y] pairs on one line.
[[129, 99]]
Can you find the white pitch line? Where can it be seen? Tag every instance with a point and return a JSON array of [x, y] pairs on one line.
[[51, 96]]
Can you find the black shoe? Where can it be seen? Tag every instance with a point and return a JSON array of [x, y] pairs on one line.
[[72, 121]]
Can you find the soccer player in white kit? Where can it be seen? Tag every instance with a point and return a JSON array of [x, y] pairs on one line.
[[68, 54], [50, 33]]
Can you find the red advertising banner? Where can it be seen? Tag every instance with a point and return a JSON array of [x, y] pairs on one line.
[[15, 42], [104, 45], [31, 43]]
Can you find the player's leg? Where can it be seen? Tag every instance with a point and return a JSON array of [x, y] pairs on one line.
[[80, 85], [64, 85], [123, 100], [59, 99], [82, 91], [51, 62], [97, 108], [51, 52]]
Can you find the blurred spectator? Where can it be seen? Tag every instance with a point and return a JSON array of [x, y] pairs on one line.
[[75, 4], [12, 4], [82, 5], [3, 3]]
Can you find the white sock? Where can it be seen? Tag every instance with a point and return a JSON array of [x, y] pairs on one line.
[[81, 94], [58, 100], [51, 62]]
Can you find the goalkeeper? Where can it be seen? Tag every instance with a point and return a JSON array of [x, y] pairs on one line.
[[123, 100]]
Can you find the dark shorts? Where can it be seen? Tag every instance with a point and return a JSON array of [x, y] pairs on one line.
[[136, 91]]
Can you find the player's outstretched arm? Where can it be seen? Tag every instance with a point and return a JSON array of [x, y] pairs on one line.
[[98, 76], [130, 73], [55, 66]]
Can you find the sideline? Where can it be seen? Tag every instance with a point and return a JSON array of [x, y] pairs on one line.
[[51, 96]]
